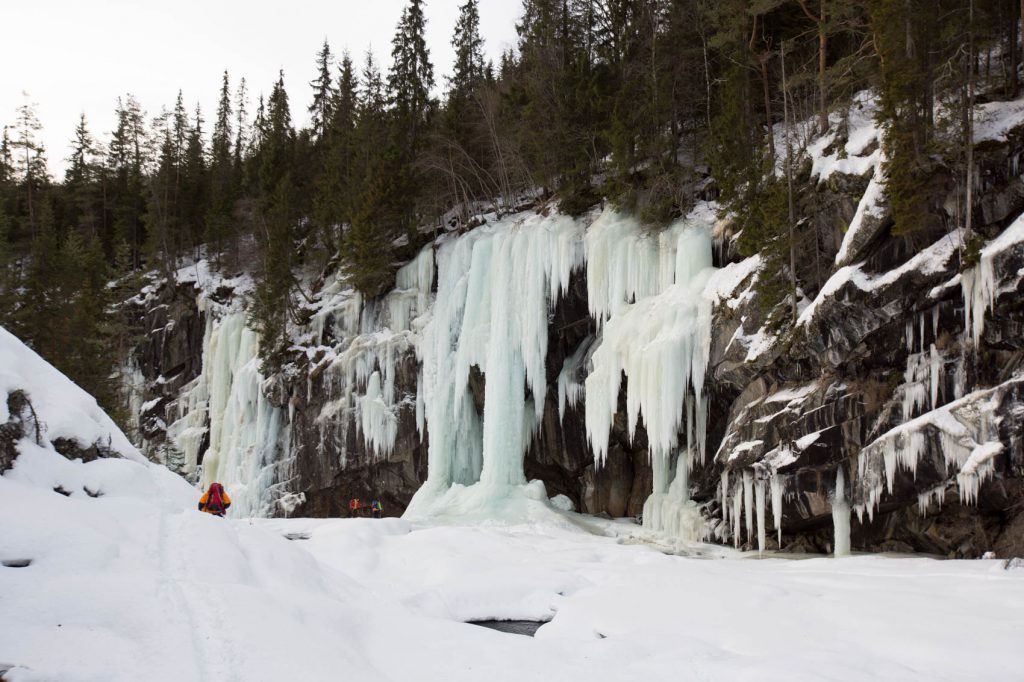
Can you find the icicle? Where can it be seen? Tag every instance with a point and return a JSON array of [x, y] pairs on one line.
[[841, 517], [935, 378], [725, 496], [661, 341], [737, 511], [778, 487], [759, 491], [748, 502], [936, 495]]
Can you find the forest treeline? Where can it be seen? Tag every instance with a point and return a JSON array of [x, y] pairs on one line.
[[638, 102]]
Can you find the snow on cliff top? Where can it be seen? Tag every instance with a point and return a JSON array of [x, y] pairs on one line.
[[64, 409], [995, 119]]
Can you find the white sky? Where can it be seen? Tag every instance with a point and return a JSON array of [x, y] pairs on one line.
[[80, 55]]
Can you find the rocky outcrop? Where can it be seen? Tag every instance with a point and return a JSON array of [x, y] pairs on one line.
[[881, 378]]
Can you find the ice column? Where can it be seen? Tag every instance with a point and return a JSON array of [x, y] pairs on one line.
[[496, 288], [647, 294], [841, 516], [246, 432]]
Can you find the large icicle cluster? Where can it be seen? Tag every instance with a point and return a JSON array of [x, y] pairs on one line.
[[967, 434], [980, 284], [369, 339], [647, 293], [496, 287]]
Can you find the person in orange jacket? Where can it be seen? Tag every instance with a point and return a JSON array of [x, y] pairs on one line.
[[353, 507], [215, 500]]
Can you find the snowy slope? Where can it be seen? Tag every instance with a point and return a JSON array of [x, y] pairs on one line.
[[65, 410]]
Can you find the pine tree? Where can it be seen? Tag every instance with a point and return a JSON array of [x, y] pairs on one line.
[[336, 182], [241, 125], [277, 138], [125, 164], [81, 181], [411, 77], [468, 69], [222, 186], [276, 224], [323, 92], [6, 158], [31, 158], [194, 183]]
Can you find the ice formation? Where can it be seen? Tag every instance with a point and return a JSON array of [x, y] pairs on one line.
[[759, 497], [496, 287], [656, 330], [841, 517], [368, 341], [966, 433], [225, 408], [980, 284], [648, 295]]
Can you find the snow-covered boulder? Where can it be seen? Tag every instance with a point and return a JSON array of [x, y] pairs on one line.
[[41, 405]]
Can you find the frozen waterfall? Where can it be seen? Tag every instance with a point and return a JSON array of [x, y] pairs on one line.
[[496, 288], [225, 408], [648, 294]]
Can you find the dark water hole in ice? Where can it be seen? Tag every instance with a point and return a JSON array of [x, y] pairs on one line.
[[513, 627]]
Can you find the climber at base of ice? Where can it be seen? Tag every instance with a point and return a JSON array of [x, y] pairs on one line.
[[215, 500], [377, 508], [353, 507]]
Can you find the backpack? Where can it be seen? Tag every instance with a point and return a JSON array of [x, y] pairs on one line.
[[215, 502]]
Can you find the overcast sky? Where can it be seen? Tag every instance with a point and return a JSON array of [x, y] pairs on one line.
[[75, 56]]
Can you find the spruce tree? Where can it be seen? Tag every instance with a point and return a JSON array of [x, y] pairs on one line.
[[411, 77], [81, 181], [241, 125], [194, 183], [323, 92], [468, 69], [335, 185], [221, 176], [125, 166]]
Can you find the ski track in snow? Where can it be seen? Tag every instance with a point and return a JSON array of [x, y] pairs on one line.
[[205, 610]]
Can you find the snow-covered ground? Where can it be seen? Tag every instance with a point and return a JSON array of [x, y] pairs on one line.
[[136, 584], [108, 572]]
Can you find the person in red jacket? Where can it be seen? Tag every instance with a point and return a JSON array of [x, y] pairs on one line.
[[215, 500]]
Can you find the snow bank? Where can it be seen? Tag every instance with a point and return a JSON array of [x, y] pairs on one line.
[[928, 261], [63, 409], [993, 120], [862, 133]]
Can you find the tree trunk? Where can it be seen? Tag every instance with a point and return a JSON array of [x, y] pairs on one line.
[[822, 54], [767, 103], [789, 185], [969, 132]]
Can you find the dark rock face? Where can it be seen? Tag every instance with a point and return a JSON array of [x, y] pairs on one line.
[[21, 423], [169, 356], [827, 394], [332, 463]]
